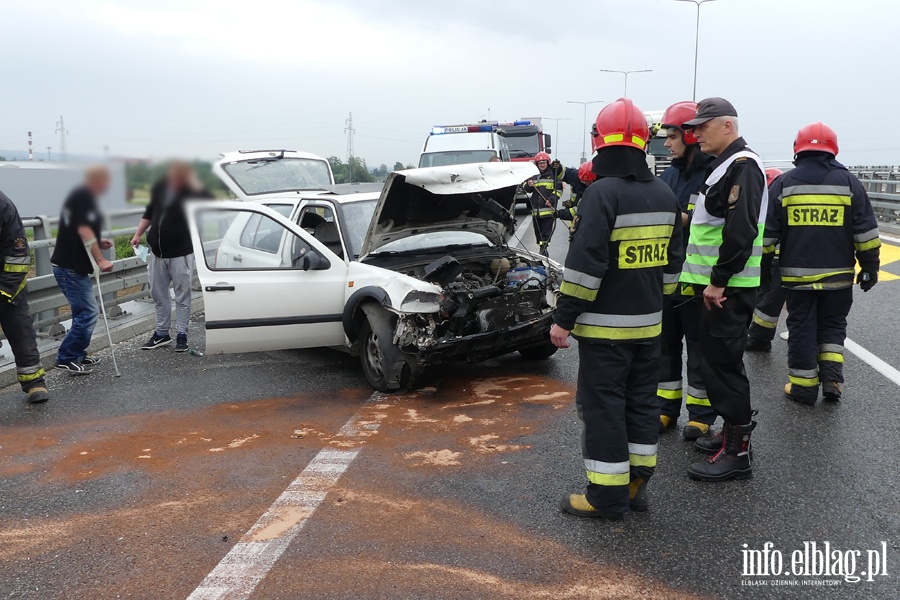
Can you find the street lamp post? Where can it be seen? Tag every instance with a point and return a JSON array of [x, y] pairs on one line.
[[626, 73], [584, 124], [556, 143], [696, 40]]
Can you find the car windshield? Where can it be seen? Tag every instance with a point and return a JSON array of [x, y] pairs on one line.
[[272, 175], [658, 147], [356, 217], [522, 146], [435, 240], [459, 157]]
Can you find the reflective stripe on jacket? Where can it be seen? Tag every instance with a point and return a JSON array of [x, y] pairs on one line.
[[625, 255], [824, 222], [707, 231], [16, 256]]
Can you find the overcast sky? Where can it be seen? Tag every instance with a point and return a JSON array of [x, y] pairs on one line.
[[193, 78]]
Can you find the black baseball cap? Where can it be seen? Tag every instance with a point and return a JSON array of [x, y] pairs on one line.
[[710, 109]]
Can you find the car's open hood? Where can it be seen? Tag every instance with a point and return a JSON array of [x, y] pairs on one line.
[[475, 197]]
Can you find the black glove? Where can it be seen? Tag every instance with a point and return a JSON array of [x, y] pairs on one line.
[[867, 278], [556, 165]]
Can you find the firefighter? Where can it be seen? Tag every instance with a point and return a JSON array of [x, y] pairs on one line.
[[626, 249], [723, 263], [770, 298], [546, 190], [15, 318], [681, 317], [825, 224], [579, 179]]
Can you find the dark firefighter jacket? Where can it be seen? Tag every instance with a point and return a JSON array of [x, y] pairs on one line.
[[686, 179], [14, 249], [547, 187], [570, 207], [625, 254], [822, 217]]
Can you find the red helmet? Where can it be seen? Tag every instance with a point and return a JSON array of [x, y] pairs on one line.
[[541, 156], [586, 172], [818, 137], [677, 114], [620, 124], [772, 174]]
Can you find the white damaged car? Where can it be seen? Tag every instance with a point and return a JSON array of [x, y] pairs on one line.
[[413, 277]]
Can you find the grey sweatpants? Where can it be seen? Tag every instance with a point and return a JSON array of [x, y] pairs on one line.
[[177, 271]]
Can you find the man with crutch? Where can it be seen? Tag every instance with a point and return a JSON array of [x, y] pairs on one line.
[[78, 247]]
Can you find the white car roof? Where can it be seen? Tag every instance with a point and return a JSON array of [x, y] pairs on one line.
[[338, 197]]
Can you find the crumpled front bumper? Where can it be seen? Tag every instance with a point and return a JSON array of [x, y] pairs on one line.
[[474, 348]]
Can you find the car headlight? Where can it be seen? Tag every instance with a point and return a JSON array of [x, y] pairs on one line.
[[421, 302]]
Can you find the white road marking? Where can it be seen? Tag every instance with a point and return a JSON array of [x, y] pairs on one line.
[[250, 560], [873, 361], [889, 238], [526, 223]]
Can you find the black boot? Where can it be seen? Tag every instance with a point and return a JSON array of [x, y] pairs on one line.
[[831, 391], [709, 444], [732, 461]]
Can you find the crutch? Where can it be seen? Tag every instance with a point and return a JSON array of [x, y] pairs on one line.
[[103, 310]]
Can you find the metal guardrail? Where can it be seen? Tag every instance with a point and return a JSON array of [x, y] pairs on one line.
[[882, 183], [44, 296]]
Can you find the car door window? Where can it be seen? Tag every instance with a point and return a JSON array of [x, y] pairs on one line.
[[319, 222], [262, 233], [242, 239]]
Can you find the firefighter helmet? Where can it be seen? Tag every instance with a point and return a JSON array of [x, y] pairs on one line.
[[541, 156], [620, 124], [817, 137], [586, 172], [676, 115], [772, 174]]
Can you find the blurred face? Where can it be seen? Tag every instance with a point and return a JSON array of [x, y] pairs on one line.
[[97, 179], [675, 142], [542, 165], [714, 135], [178, 176]]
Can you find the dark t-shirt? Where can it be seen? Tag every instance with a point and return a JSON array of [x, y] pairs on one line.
[[79, 209]]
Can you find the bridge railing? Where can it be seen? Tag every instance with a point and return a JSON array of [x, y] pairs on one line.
[[882, 183], [44, 296]]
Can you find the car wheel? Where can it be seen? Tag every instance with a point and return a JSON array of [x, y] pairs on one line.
[[379, 356], [539, 352]]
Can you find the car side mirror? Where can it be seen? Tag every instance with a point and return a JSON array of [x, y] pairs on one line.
[[312, 261]]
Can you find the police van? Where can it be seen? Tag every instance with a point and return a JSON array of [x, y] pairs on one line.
[[463, 144]]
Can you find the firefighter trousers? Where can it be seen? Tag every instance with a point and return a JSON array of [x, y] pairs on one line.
[[680, 327], [723, 337], [616, 402], [15, 319], [817, 324], [543, 218], [769, 303]]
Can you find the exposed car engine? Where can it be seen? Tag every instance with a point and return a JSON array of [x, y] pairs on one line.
[[481, 295]]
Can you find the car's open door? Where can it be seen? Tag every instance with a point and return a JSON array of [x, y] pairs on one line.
[[267, 284]]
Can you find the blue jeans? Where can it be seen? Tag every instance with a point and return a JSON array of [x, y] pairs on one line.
[[79, 291]]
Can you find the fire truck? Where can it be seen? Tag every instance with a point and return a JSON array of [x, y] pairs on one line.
[[516, 141], [658, 156]]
